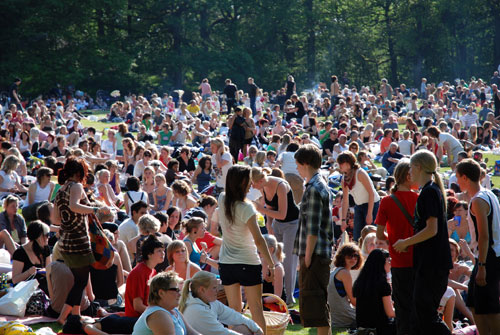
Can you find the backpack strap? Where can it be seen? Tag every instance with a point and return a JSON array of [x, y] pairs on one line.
[[403, 210]]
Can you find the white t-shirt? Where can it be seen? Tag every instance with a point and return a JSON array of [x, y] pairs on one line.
[[238, 245], [452, 142], [222, 173], [128, 230], [9, 181], [108, 147], [288, 163], [405, 147], [139, 168]]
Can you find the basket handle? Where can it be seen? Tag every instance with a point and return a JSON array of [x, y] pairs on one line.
[[280, 301]]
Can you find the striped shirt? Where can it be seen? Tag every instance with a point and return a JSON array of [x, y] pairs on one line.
[[315, 218]]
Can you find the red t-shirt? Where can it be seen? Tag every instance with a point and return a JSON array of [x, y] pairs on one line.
[[384, 144], [208, 239], [137, 287], [397, 225]]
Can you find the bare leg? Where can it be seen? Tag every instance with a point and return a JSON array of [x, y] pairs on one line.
[[323, 331], [64, 314], [94, 329], [460, 306], [6, 238], [487, 324], [233, 294], [254, 299]]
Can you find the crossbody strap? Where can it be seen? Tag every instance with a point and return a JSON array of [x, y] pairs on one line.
[[403, 210]]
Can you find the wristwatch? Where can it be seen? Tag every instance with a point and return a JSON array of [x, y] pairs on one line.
[[481, 264]]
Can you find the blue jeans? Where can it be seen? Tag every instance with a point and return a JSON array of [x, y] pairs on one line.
[[360, 212]]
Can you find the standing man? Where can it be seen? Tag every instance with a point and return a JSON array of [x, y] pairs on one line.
[[230, 92], [252, 94], [313, 242], [496, 100], [14, 94], [484, 213], [236, 124]]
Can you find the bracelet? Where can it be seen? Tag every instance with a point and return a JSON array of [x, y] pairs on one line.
[[481, 264], [344, 220], [272, 267]]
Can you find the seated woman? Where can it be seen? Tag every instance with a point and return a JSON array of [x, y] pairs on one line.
[[195, 229], [368, 244], [340, 297], [163, 195], [38, 193], [106, 193], [373, 294], [203, 174], [205, 210], [30, 259], [178, 258], [114, 176], [458, 228], [134, 194], [162, 316], [207, 315], [182, 196], [12, 225], [148, 225], [274, 285], [105, 283], [10, 182]]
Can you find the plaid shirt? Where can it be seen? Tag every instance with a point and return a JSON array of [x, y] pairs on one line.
[[315, 218]]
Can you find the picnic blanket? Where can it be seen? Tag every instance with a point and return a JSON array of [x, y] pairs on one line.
[[27, 320]]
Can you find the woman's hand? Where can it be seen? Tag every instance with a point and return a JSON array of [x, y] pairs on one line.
[[481, 276], [369, 218], [32, 271], [400, 245]]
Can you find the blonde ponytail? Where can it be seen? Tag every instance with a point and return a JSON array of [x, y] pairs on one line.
[[185, 293], [439, 183], [192, 285]]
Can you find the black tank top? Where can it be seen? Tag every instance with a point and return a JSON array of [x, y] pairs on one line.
[[292, 212], [496, 99]]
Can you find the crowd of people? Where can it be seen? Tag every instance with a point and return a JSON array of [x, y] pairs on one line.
[[336, 196]]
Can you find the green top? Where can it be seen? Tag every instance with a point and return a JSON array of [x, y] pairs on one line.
[[164, 138]]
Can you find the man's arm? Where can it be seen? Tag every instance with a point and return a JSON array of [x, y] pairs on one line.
[[313, 215], [480, 209]]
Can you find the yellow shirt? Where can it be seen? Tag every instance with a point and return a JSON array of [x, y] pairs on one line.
[[193, 109]]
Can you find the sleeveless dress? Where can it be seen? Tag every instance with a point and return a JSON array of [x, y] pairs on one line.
[[161, 200], [74, 239]]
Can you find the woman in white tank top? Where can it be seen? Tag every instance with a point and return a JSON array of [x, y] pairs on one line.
[[357, 183], [38, 193]]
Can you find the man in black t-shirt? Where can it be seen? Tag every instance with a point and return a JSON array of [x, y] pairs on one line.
[[230, 92], [252, 94], [236, 123], [330, 143], [299, 108], [14, 93]]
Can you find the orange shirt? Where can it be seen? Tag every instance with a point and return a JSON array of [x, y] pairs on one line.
[[384, 144]]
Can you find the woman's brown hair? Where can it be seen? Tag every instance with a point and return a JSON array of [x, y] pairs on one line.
[[348, 249]]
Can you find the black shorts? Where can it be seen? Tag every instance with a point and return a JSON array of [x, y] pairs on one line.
[[484, 299], [313, 296], [115, 324], [243, 274]]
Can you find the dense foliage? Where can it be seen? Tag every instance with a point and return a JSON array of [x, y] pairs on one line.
[[167, 44]]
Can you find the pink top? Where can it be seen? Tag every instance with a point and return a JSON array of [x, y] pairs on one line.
[[205, 88]]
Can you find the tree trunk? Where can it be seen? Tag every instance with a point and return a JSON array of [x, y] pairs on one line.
[[390, 44], [311, 42], [496, 38]]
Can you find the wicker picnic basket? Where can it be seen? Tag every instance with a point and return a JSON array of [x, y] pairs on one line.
[[276, 322]]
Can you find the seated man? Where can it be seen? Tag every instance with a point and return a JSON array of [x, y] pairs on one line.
[[137, 290], [391, 158]]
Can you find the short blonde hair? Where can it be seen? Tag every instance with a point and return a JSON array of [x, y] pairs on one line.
[[161, 281], [148, 224]]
